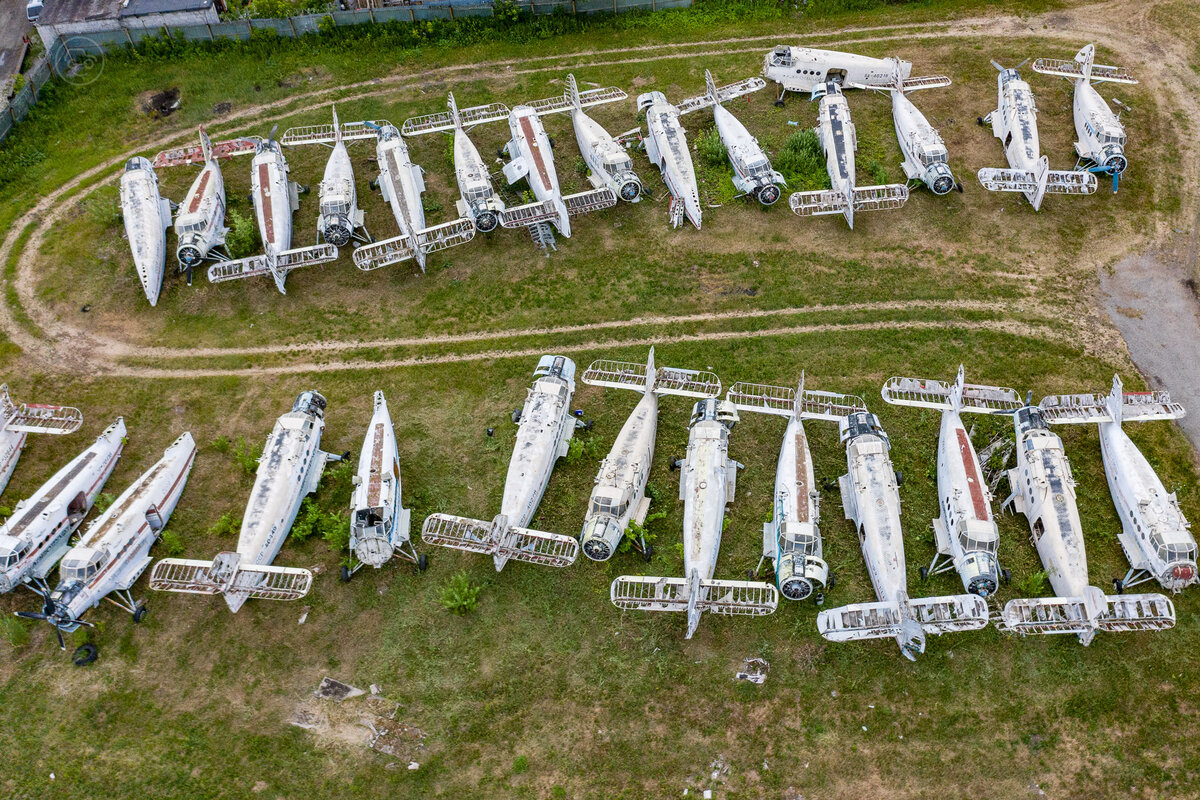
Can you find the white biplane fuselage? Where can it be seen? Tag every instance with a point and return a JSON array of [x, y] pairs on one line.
[[753, 173], [115, 550], [35, 537], [401, 182], [378, 523], [478, 200], [610, 164], [925, 156], [1014, 122], [339, 215], [275, 197], [791, 539], [801, 69], [532, 158], [1154, 533], [200, 221], [1101, 136], [667, 148], [707, 482], [147, 215], [544, 432]]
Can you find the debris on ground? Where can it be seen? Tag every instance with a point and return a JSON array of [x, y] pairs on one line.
[[336, 690], [222, 108], [792, 793], [399, 739], [306, 719], [720, 768], [304, 614], [754, 670], [159, 104]]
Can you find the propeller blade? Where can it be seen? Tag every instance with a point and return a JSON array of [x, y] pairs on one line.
[[83, 622], [1023, 63], [997, 66], [31, 615], [372, 125], [61, 644], [1029, 398], [274, 130]]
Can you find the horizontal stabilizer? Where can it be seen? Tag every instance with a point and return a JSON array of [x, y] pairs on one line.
[[628, 375], [529, 214], [400, 248], [880, 620], [1075, 70], [1135, 407], [1122, 613], [1070, 182], [925, 393], [818, 203], [591, 200], [750, 598], [37, 418], [1008, 180], [224, 575], [444, 121], [723, 95], [925, 82], [325, 134], [500, 540], [592, 97], [781, 400], [195, 154], [878, 198], [285, 262]]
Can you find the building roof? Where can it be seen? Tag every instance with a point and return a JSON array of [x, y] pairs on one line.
[[140, 8], [61, 11]]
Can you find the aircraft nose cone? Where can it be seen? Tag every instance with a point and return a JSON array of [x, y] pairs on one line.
[[768, 195], [1116, 163], [796, 588], [597, 550], [337, 234], [630, 191], [189, 255], [943, 185], [486, 221]]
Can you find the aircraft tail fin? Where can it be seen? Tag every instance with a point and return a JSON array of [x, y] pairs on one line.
[[693, 596], [647, 377], [959, 396], [1085, 58], [226, 575], [573, 93], [36, 417], [205, 145], [337, 128], [1117, 406], [500, 540], [710, 87], [453, 106]]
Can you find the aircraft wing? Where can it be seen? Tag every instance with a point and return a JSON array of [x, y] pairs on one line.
[[1071, 69], [925, 393], [1070, 182], [444, 121], [195, 154]]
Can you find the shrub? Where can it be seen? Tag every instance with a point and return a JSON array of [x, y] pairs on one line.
[[246, 457], [224, 526], [459, 594], [313, 521], [243, 239], [103, 501], [520, 764], [801, 161], [877, 171], [1032, 585], [711, 149], [172, 544]]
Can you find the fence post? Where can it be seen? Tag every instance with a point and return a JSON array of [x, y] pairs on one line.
[[292, 25], [371, 13], [411, 15], [127, 36]]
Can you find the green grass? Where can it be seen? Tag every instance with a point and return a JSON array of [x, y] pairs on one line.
[[544, 689]]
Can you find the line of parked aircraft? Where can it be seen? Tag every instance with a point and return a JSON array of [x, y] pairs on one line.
[[1156, 538], [199, 220]]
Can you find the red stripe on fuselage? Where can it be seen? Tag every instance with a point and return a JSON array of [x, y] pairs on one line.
[[535, 152], [968, 459], [200, 187], [264, 195]]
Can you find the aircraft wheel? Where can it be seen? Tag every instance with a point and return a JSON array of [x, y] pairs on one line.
[[924, 573], [675, 462], [959, 186], [751, 575], [588, 425], [1005, 575], [140, 611], [85, 654], [819, 598], [346, 574], [832, 581], [373, 183], [516, 416], [899, 478], [979, 121], [422, 562], [779, 104], [1118, 586], [648, 553]]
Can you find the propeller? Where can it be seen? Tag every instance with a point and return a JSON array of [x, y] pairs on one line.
[[274, 130], [999, 68], [1029, 398]]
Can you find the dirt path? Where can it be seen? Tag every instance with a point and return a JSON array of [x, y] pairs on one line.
[[64, 347]]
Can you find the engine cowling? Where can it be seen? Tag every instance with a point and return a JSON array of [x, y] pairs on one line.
[[600, 538], [798, 575], [768, 195], [337, 230]]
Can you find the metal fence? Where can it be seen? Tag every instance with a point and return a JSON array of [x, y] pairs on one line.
[[100, 41], [56, 60], [62, 53]]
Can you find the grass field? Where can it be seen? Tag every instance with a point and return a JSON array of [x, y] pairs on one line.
[[545, 690]]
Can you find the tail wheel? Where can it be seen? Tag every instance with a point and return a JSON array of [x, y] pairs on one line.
[[1118, 586], [139, 612], [422, 562], [346, 574], [648, 552], [85, 654], [924, 573]]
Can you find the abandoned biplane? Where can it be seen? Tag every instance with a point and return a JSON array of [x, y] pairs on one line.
[[543, 436]]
